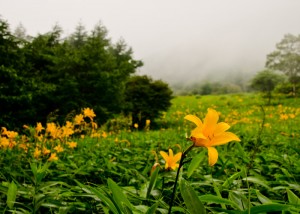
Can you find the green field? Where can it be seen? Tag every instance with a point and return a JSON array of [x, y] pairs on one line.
[[81, 168]]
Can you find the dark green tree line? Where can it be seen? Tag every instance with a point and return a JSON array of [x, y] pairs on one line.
[[49, 74], [14, 103]]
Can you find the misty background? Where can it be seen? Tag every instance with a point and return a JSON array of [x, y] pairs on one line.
[[180, 42]]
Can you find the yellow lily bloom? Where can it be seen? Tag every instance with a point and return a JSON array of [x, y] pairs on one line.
[[4, 142], [39, 128], [59, 148], [46, 151], [53, 157], [171, 159], [210, 133], [78, 119], [72, 144], [87, 112], [37, 153], [148, 122]]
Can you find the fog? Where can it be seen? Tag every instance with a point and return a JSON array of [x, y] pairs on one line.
[[178, 41]]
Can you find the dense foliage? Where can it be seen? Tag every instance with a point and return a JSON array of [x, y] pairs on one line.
[[48, 74], [79, 168]]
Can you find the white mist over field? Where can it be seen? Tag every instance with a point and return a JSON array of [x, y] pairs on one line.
[[180, 42]]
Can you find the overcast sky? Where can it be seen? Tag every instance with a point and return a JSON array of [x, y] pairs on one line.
[[177, 40]]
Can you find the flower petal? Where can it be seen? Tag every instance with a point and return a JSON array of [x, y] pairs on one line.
[[220, 128], [164, 155], [224, 138], [167, 165], [212, 156], [199, 142], [197, 133], [194, 119], [177, 157], [174, 166], [170, 153], [210, 122]]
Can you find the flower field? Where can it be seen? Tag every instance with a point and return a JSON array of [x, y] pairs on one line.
[[208, 154]]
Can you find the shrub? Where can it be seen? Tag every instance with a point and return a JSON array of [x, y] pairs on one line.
[[146, 99]]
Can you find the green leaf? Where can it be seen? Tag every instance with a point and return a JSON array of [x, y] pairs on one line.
[[264, 208], [100, 195], [221, 210], [240, 149], [119, 197], [195, 163], [152, 209], [33, 167], [239, 199], [294, 186], [293, 199], [11, 194], [39, 172], [231, 179], [50, 184], [263, 199], [217, 200], [190, 198], [153, 179], [257, 181], [109, 203], [216, 188]]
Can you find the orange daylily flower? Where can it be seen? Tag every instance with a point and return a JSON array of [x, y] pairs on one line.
[[284, 117], [78, 119], [4, 142], [67, 130], [52, 129], [58, 148], [104, 135], [53, 157], [24, 147], [72, 144], [210, 133], [37, 153], [87, 112], [39, 128], [46, 151], [10, 134], [171, 160], [148, 122]]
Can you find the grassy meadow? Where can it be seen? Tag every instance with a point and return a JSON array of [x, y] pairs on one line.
[[83, 168]]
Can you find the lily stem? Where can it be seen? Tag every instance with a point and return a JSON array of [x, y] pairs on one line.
[[181, 163]]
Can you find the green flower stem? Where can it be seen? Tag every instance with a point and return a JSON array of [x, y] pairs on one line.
[[181, 163]]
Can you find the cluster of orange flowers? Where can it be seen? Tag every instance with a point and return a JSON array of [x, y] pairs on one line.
[[210, 133], [8, 138], [53, 139]]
